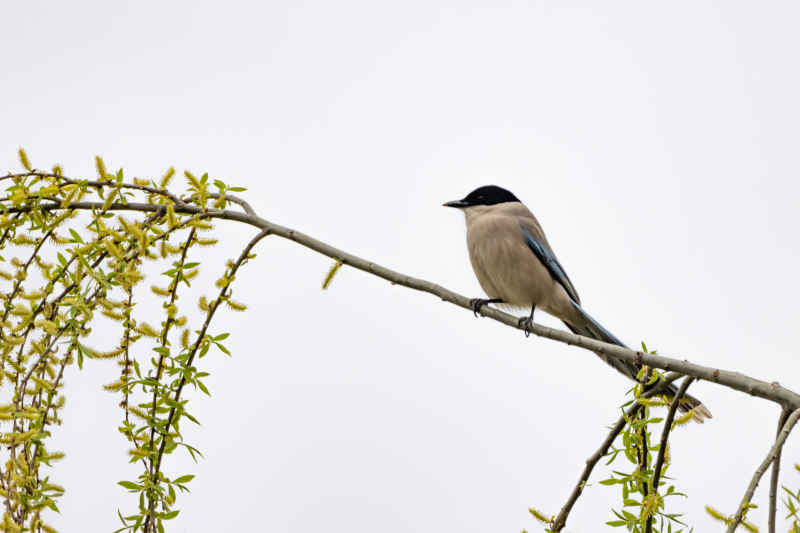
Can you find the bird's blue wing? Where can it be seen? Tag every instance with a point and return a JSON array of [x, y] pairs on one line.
[[548, 259]]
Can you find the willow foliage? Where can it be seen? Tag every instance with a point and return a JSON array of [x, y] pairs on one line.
[[73, 251]]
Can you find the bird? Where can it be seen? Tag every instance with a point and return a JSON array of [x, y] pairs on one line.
[[517, 268]]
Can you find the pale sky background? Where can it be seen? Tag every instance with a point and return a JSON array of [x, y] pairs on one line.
[[657, 143]]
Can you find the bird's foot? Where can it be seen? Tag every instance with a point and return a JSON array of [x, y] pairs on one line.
[[477, 303], [526, 323]]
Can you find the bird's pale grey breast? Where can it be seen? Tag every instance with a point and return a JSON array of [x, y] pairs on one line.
[[503, 262]]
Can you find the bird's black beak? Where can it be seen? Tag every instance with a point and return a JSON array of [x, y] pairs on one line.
[[456, 203]]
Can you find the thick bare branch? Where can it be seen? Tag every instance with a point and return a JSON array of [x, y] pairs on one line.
[[771, 456]]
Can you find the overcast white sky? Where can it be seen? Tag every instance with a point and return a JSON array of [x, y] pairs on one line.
[[657, 144]]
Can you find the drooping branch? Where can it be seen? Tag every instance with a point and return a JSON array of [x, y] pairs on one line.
[[673, 408], [662, 448], [773, 480], [591, 462], [213, 306], [771, 456]]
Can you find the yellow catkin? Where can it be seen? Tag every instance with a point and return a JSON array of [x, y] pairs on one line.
[[59, 240], [112, 248], [110, 199], [167, 177], [101, 167], [172, 249], [159, 291], [331, 273], [138, 413], [114, 386], [145, 329], [111, 354], [203, 304], [69, 197], [236, 306], [200, 224], [23, 158], [538, 515], [35, 295], [48, 326], [716, 514], [24, 240], [193, 181], [683, 419], [185, 339]]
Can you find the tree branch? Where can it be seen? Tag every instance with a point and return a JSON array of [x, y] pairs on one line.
[[771, 456], [773, 481], [591, 462], [662, 449], [734, 380], [673, 408]]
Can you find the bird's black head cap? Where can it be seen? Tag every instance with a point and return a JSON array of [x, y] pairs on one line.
[[486, 195]]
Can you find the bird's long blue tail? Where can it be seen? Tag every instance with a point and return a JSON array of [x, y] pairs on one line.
[[589, 327]]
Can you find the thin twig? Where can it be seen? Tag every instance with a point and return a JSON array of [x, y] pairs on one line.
[[173, 293], [591, 462], [148, 524], [673, 408], [773, 481], [771, 456]]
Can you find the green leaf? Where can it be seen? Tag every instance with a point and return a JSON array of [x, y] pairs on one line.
[[224, 349], [130, 485], [184, 479], [75, 236], [170, 515]]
